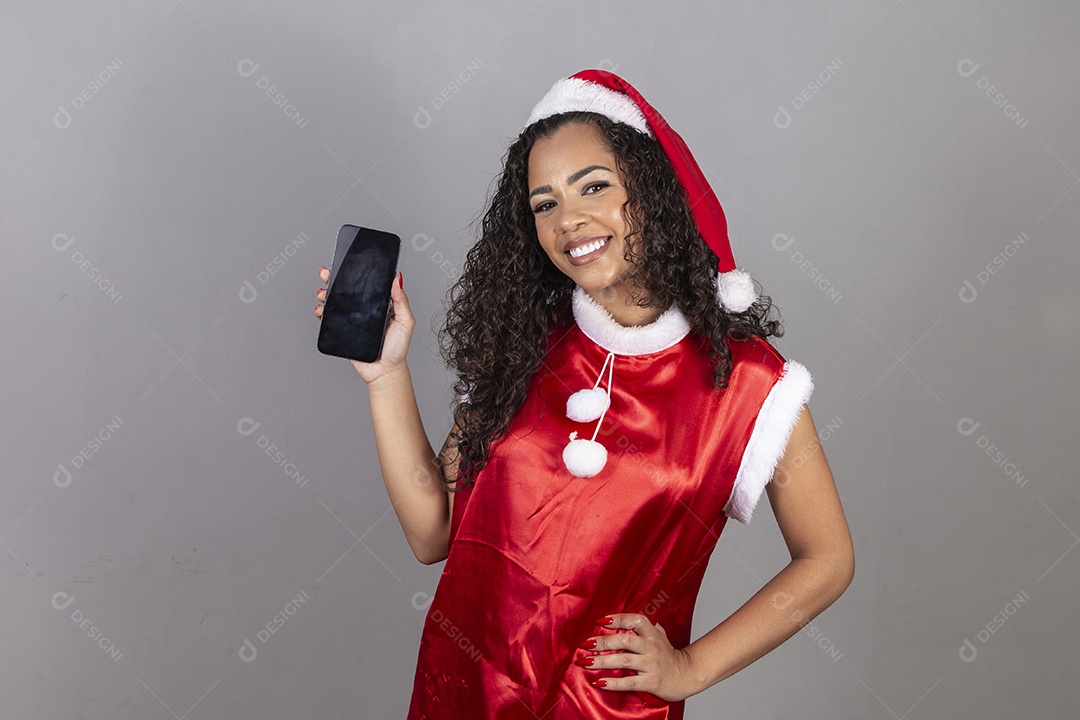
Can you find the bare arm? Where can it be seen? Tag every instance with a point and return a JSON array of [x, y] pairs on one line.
[[807, 508], [408, 462], [409, 467]]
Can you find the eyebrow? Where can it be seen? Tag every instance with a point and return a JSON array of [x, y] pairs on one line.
[[570, 180]]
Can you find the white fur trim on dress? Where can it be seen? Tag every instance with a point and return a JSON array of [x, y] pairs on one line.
[[598, 325], [769, 439], [571, 94]]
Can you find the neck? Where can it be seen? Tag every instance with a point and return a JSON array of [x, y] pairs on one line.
[[625, 313], [617, 300]]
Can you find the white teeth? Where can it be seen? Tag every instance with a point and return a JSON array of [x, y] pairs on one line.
[[586, 249]]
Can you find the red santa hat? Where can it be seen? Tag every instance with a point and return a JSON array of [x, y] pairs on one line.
[[609, 95]]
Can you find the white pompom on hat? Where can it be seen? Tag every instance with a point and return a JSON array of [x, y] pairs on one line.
[[609, 95]]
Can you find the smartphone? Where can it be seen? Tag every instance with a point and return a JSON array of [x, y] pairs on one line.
[[358, 294]]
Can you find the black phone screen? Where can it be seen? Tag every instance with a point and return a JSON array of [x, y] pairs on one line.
[[358, 293]]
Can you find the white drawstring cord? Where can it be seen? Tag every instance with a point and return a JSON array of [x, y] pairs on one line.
[[611, 372]]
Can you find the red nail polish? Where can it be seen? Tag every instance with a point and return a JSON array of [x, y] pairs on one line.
[[588, 644], [321, 268], [604, 621], [600, 683], [586, 662], [401, 280]]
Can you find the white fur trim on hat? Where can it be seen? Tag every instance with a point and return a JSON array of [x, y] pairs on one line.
[[736, 290], [569, 94], [769, 439]]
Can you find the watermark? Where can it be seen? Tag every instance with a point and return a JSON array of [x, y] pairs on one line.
[[62, 118], [644, 464], [422, 119], [829, 428], [246, 427], [782, 601], [422, 242], [248, 651], [607, 65], [966, 68], [247, 67], [968, 292], [426, 473], [421, 600], [782, 118], [782, 477], [454, 633], [653, 606], [62, 600], [968, 650], [781, 242], [62, 242], [658, 474], [966, 427], [62, 477], [248, 292]]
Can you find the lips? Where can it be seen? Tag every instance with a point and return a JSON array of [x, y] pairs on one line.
[[590, 255], [579, 242]]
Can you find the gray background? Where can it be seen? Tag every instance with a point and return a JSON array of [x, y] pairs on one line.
[[149, 180]]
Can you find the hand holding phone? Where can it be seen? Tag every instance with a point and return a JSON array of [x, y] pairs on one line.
[[366, 316]]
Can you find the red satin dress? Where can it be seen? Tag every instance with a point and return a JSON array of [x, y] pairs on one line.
[[538, 554]]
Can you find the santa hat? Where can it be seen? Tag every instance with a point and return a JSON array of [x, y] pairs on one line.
[[609, 95]]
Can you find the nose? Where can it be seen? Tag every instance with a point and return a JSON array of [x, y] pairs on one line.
[[571, 217]]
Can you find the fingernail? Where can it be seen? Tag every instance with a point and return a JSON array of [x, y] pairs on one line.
[[600, 683], [401, 280], [605, 621], [321, 268], [588, 644], [584, 663]]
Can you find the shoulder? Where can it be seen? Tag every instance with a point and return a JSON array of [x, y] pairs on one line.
[[754, 357], [754, 349]]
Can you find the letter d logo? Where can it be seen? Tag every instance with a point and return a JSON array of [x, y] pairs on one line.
[[246, 67], [782, 118], [967, 68], [246, 426], [968, 293], [422, 118], [62, 477], [62, 118], [966, 426], [248, 651], [61, 600], [248, 293]]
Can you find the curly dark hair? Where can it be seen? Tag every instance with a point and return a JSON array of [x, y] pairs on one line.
[[510, 296]]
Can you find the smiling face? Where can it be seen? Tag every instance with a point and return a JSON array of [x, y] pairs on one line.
[[576, 192]]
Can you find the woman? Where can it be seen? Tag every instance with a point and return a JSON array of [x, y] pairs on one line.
[[573, 564]]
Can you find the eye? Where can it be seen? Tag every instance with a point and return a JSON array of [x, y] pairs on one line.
[[599, 185]]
